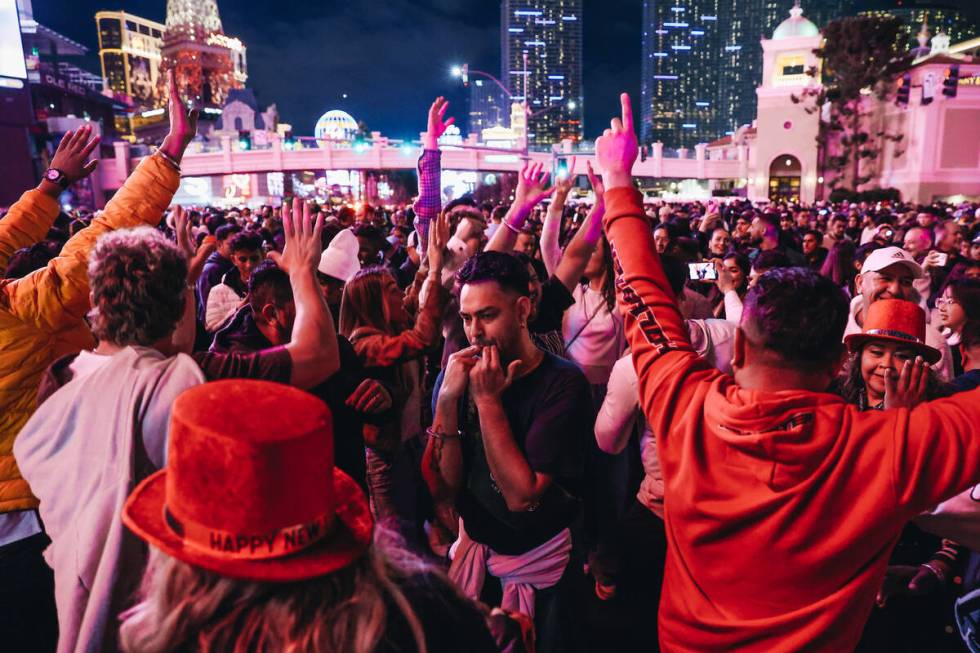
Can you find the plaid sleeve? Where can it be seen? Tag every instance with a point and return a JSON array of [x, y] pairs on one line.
[[429, 203]]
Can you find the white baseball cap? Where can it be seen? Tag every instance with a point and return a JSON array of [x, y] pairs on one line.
[[882, 258], [339, 260]]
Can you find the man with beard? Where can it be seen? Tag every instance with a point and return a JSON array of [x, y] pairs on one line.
[[764, 236], [507, 445]]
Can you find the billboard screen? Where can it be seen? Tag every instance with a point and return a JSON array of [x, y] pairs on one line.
[[11, 50]]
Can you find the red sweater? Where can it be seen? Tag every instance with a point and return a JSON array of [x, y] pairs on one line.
[[781, 508]]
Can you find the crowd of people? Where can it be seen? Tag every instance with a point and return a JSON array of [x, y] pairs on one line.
[[543, 425]]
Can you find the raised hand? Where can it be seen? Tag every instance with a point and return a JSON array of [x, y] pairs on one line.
[[563, 185], [438, 239], [71, 157], [487, 378], [532, 186], [437, 124], [303, 245], [616, 150], [908, 387], [183, 230], [183, 123], [596, 182]]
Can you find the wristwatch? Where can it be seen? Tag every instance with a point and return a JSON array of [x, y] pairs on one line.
[[56, 176]]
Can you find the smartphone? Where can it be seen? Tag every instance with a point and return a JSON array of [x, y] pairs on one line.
[[560, 170], [702, 271], [942, 259]]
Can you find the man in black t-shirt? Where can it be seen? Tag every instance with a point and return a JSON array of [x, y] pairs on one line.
[[507, 444]]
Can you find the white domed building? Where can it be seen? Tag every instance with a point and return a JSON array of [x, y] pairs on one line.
[[336, 125]]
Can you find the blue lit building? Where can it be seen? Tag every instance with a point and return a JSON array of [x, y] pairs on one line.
[[550, 33], [702, 62]]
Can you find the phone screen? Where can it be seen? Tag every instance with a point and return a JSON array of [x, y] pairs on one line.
[[560, 170], [702, 271]]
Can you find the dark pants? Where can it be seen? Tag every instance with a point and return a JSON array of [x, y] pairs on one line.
[[28, 617]]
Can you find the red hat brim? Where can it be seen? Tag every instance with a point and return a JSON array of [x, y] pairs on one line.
[[351, 536], [855, 341]]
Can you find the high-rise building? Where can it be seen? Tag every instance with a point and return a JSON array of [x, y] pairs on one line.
[[489, 106], [938, 17], [129, 49], [208, 62], [680, 52], [541, 58], [702, 62]]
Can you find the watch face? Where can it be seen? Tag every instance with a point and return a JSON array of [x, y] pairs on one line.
[[52, 175]]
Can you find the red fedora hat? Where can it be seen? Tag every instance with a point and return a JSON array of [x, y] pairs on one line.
[[250, 490], [898, 321]]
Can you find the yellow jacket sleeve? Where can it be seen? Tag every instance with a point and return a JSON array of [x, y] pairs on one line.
[[56, 296], [27, 222]]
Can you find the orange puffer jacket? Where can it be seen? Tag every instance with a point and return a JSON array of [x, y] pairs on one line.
[[41, 315]]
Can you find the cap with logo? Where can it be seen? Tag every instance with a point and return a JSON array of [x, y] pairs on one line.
[[882, 258]]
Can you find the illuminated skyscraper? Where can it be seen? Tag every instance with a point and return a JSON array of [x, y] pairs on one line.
[[702, 61], [208, 63], [938, 16], [549, 33], [679, 85], [489, 107], [129, 49]]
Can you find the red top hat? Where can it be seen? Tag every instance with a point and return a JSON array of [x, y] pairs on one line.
[[250, 490], [896, 320]]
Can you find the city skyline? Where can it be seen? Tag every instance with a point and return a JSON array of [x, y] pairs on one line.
[[394, 65], [541, 56], [702, 62]]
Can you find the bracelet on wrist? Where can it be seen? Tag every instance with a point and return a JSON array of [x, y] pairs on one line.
[[432, 433], [934, 568], [169, 159], [511, 227]]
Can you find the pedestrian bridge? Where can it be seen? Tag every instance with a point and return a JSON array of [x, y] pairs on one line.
[[227, 156]]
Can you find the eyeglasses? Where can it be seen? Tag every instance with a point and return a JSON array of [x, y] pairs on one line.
[[946, 301], [255, 258]]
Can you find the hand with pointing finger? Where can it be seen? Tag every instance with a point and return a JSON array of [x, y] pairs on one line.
[[616, 150]]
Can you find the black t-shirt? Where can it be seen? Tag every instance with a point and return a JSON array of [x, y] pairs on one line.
[[546, 327], [550, 416]]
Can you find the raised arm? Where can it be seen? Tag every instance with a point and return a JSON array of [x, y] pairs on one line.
[[383, 350], [313, 345], [579, 250], [551, 230], [532, 187], [57, 295], [429, 203], [662, 351], [29, 219]]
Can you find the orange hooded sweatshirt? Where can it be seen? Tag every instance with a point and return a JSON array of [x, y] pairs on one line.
[[781, 508]]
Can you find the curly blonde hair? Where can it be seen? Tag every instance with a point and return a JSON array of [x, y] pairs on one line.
[[137, 278], [185, 608]]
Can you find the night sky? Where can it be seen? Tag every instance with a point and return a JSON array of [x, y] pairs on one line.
[[391, 58]]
